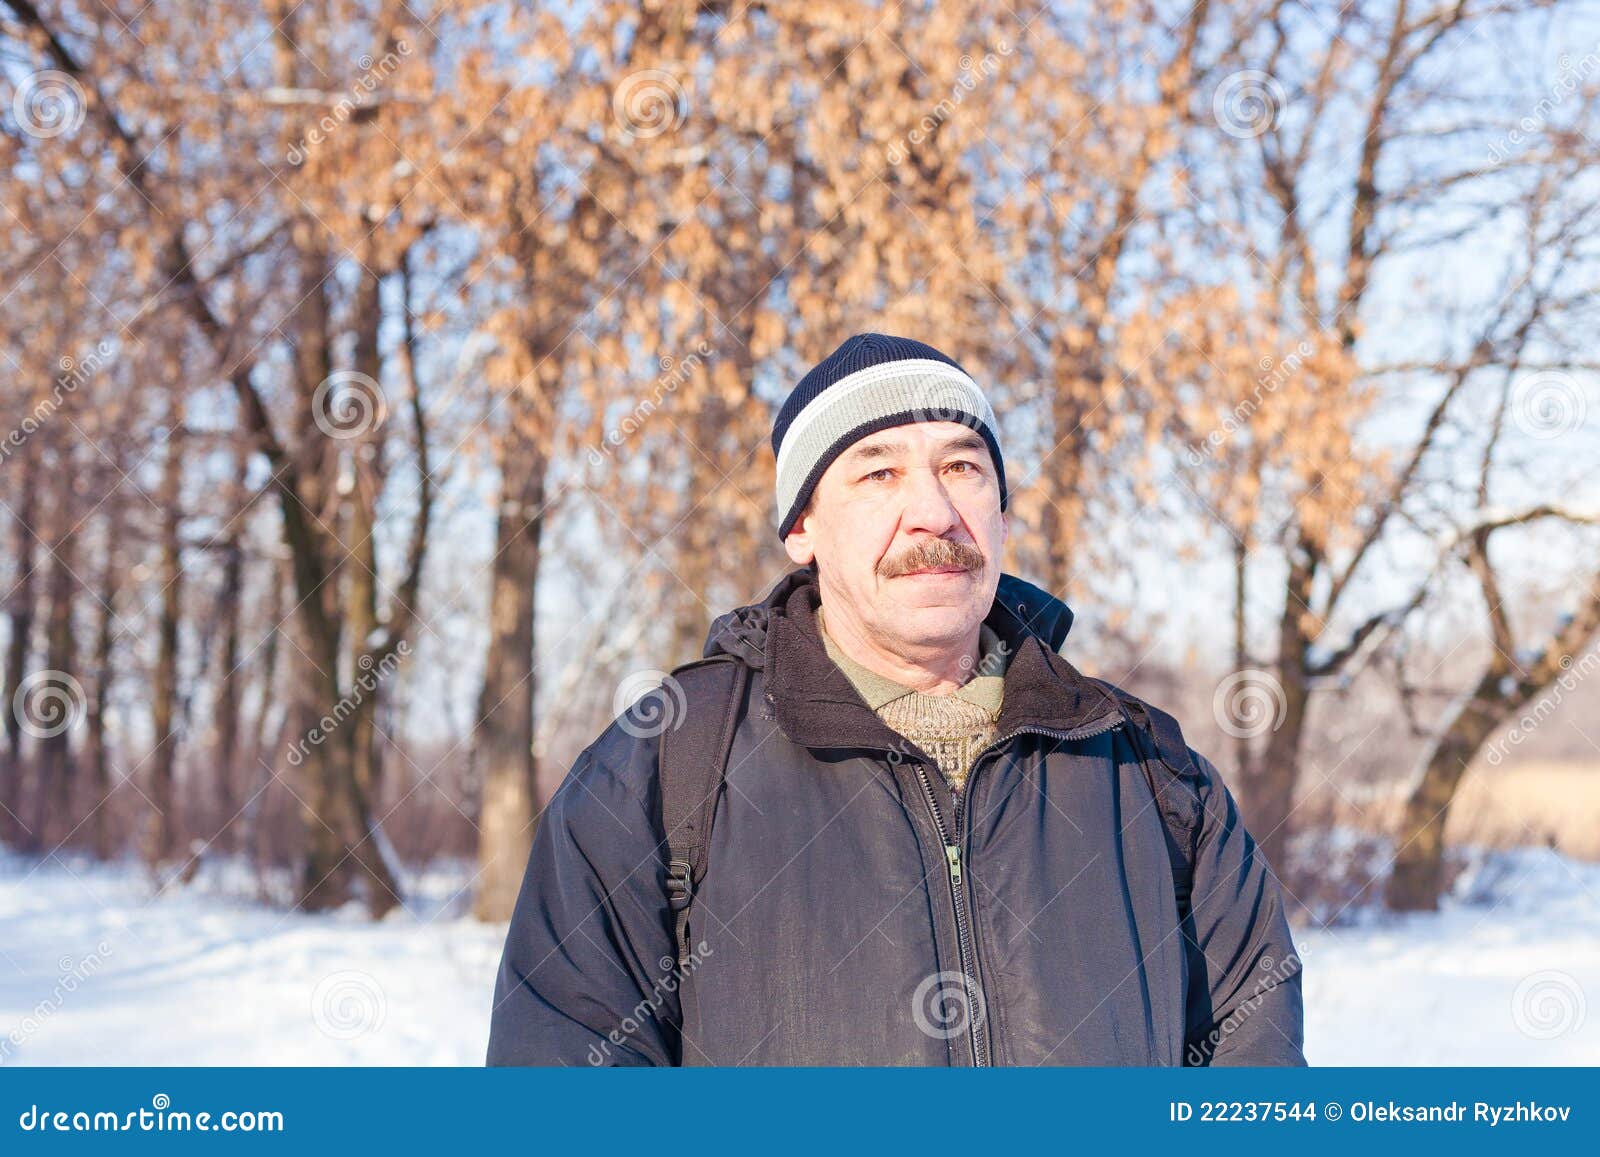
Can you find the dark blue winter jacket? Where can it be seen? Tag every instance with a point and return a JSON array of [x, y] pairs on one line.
[[854, 912]]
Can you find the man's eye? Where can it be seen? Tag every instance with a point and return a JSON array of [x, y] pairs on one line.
[[971, 467], [878, 475]]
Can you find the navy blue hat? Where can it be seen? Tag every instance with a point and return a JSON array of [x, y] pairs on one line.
[[871, 382]]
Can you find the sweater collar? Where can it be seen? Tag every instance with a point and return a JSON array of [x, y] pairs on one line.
[[816, 704], [985, 688]]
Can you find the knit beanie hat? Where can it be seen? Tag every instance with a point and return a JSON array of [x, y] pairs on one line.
[[871, 382]]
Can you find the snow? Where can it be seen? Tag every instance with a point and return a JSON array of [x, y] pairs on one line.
[[96, 968], [1501, 975]]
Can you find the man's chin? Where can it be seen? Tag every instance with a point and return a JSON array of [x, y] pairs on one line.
[[933, 591], [935, 610]]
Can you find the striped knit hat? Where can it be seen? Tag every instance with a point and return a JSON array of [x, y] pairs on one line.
[[870, 383]]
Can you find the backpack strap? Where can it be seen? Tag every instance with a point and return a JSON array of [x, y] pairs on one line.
[[693, 762], [1173, 777]]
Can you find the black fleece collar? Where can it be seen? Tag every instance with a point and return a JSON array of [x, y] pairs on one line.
[[817, 706]]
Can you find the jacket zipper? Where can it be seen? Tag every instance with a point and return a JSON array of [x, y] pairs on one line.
[[966, 943]]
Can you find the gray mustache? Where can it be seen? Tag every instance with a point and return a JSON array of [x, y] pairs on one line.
[[939, 552]]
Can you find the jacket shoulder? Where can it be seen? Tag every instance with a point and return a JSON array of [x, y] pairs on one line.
[[625, 758], [1161, 727], [619, 769]]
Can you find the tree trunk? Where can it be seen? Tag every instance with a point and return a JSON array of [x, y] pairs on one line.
[[99, 753], [162, 833], [1270, 783], [262, 757], [53, 791], [1270, 800], [20, 611], [1417, 879], [228, 773], [1060, 481], [365, 473], [506, 708]]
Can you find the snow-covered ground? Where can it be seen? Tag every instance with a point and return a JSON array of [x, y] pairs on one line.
[[95, 970], [1502, 975]]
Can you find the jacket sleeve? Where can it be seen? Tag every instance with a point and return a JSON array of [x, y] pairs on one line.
[[588, 972], [1244, 999]]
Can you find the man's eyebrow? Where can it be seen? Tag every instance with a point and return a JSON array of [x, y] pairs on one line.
[[965, 442], [866, 451], [863, 451]]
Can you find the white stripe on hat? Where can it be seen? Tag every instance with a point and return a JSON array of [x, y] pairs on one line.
[[844, 392]]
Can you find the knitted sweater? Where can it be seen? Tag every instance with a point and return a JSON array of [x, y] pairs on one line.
[[952, 728]]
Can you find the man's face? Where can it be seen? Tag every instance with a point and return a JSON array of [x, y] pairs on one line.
[[906, 529]]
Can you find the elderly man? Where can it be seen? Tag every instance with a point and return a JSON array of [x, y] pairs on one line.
[[884, 820]]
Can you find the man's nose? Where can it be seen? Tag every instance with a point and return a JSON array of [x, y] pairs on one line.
[[928, 505]]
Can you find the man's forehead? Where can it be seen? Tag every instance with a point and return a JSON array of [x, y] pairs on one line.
[[893, 442]]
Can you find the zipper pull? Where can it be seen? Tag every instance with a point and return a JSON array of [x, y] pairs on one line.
[[953, 854]]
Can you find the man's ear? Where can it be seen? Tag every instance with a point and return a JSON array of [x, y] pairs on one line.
[[798, 541], [798, 544]]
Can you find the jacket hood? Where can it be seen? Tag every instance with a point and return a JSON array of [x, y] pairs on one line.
[[1020, 609]]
